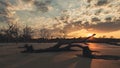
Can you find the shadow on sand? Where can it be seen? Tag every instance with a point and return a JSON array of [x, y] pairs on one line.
[[86, 52], [105, 57]]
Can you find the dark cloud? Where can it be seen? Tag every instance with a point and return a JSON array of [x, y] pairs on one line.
[[100, 27], [105, 26], [40, 5], [101, 2], [27, 0], [88, 1], [73, 26], [108, 19], [3, 12], [3, 3], [2, 19], [95, 19]]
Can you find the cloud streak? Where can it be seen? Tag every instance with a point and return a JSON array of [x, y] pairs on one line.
[[105, 26]]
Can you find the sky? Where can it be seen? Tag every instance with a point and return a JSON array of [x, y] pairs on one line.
[[74, 17]]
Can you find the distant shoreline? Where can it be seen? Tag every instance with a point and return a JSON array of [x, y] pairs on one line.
[[73, 40]]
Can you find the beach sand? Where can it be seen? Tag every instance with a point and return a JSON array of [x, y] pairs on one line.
[[11, 57]]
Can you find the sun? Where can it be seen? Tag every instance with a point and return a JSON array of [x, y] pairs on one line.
[[90, 34]]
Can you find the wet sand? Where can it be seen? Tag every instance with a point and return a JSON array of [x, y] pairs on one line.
[[10, 57]]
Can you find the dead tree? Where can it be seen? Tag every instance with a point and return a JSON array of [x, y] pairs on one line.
[[27, 33]]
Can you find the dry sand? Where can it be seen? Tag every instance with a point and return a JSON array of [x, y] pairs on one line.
[[10, 57]]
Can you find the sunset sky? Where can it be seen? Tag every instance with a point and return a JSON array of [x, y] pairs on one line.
[[75, 17]]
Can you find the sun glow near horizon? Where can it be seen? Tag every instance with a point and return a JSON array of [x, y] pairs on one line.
[[85, 33], [89, 34], [80, 33]]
